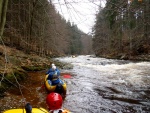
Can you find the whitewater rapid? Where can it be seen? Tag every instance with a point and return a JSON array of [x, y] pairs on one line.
[[102, 85]]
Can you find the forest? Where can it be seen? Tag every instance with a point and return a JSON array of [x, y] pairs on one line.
[[122, 29], [34, 26]]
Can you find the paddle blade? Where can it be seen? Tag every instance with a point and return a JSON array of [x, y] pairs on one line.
[[67, 76]]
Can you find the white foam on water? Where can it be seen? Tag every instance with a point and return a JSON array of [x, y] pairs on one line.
[[130, 71]]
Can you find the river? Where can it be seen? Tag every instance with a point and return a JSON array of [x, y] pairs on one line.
[[97, 85], [102, 85]]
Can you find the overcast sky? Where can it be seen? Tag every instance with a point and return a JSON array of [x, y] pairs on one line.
[[81, 12]]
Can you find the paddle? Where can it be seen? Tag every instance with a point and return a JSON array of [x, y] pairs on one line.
[[67, 76]]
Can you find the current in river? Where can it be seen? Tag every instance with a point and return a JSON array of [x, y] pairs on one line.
[[102, 85]]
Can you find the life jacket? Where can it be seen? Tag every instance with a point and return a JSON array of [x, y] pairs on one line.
[[53, 76]]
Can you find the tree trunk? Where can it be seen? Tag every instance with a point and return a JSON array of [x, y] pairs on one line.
[[3, 10]]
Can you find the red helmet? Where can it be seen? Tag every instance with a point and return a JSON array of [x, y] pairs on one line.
[[54, 101]]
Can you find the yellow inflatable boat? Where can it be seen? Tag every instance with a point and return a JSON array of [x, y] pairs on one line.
[[34, 110], [51, 88]]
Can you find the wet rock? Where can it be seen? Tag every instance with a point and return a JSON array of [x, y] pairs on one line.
[[121, 98], [114, 90], [124, 57], [68, 66]]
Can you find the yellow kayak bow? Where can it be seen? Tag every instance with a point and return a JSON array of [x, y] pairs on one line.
[[34, 110]]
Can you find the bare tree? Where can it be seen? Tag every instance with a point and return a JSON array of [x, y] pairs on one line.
[[3, 10]]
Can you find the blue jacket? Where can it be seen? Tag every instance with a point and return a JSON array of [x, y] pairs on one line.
[[53, 75], [53, 71]]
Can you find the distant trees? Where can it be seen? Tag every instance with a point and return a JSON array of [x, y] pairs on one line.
[[35, 26], [123, 27], [86, 41]]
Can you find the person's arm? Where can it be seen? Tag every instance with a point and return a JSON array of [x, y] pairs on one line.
[[58, 72], [50, 70], [50, 75]]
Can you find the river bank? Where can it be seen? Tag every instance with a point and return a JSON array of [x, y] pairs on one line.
[[143, 57], [15, 65]]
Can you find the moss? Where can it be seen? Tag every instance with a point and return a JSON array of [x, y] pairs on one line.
[[10, 79], [20, 74], [3, 87], [14, 60]]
